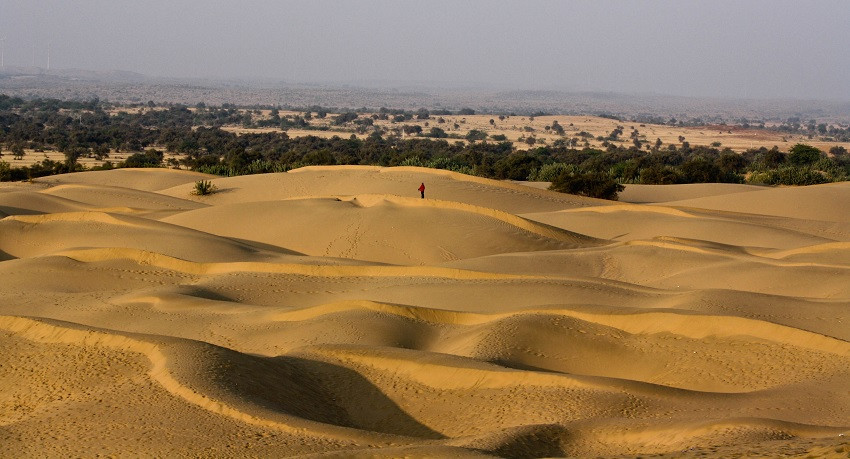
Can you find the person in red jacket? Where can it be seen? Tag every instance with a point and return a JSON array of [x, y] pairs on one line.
[[422, 190]]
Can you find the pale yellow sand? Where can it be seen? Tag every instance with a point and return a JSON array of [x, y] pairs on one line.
[[330, 311]]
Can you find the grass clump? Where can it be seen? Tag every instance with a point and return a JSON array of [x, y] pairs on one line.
[[204, 187]]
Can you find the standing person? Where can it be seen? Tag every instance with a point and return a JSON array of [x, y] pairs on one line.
[[422, 190]]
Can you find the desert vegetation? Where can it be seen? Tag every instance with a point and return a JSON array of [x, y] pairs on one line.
[[200, 138]]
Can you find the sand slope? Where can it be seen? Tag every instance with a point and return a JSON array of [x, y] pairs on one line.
[[330, 312]]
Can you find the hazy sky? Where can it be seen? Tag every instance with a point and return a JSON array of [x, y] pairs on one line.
[[739, 48]]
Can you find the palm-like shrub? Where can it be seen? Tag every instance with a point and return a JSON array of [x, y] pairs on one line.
[[204, 187]]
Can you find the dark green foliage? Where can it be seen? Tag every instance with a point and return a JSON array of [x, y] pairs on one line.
[[345, 118], [18, 151], [659, 174], [700, 170], [557, 128], [591, 184], [517, 166], [475, 134], [150, 158], [790, 175], [79, 129], [437, 133], [803, 155]]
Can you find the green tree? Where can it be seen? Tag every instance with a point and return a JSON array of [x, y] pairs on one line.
[[517, 167], [476, 134], [803, 155], [591, 184], [150, 158], [18, 151], [437, 133], [5, 172]]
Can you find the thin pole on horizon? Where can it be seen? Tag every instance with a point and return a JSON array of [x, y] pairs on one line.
[[3, 51]]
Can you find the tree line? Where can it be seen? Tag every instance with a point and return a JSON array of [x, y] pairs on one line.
[[83, 129]]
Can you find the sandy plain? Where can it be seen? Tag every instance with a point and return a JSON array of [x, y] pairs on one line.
[[329, 311]]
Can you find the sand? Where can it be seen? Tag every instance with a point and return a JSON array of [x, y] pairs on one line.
[[331, 312]]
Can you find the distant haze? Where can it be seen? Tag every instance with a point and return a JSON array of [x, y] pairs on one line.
[[729, 49]]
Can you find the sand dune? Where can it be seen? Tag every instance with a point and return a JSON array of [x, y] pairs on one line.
[[397, 181], [636, 222], [330, 312], [133, 179], [817, 202], [644, 194], [380, 228]]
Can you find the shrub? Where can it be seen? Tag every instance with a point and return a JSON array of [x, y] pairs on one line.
[[591, 184], [789, 175], [549, 172], [203, 188], [150, 158], [659, 175], [802, 155], [5, 172]]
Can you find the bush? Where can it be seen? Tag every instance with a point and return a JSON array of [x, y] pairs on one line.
[[550, 172], [659, 175], [203, 188], [5, 172], [592, 184], [802, 155], [475, 134], [150, 158], [516, 167], [789, 175]]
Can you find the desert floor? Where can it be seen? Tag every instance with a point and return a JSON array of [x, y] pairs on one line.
[[331, 311]]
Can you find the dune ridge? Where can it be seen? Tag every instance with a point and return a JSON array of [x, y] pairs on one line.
[[331, 312]]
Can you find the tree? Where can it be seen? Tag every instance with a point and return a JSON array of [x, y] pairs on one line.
[[659, 175], [18, 151], [700, 170], [466, 111], [150, 158], [557, 128], [838, 151], [475, 134], [772, 158], [803, 155], [344, 118], [414, 129], [591, 184], [516, 167], [437, 133]]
